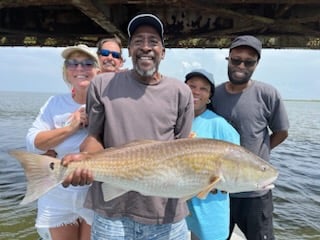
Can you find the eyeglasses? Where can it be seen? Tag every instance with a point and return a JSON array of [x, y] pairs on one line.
[[237, 62], [106, 53], [85, 64]]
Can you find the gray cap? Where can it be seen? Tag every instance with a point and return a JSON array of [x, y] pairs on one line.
[[145, 19], [201, 73], [247, 40]]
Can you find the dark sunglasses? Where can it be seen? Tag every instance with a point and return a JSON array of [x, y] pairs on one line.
[[85, 64], [106, 53], [237, 62]]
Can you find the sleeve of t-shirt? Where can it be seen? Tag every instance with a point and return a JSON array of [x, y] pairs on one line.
[[43, 122], [95, 111], [278, 119], [185, 115]]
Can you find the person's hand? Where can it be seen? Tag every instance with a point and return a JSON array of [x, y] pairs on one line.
[[83, 117], [78, 119], [79, 177]]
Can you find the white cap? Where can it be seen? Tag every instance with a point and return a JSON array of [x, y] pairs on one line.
[[79, 48]]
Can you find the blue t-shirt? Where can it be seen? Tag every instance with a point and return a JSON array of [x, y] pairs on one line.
[[209, 218]]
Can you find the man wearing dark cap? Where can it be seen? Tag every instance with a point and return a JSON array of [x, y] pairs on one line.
[[257, 112], [132, 105]]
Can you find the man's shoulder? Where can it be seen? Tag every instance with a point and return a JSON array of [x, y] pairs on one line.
[[263, 85], [104, 76], [103, 80], [265, 89], [173, 80], [176, 84], [220, 87]]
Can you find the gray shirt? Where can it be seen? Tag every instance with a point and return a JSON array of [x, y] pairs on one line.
[[122, 109], [253, 112]]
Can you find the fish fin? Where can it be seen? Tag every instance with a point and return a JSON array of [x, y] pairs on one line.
[[110, 192], [203, 194], [39, 171]]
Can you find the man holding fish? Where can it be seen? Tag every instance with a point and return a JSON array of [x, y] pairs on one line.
[[137, 104]]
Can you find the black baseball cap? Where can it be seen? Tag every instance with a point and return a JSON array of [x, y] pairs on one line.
[[145, 19], [247, 40]]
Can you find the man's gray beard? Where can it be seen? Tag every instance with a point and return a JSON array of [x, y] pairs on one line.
[[148, 73]]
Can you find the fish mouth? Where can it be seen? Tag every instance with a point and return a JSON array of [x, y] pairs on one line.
[[268, 187], [268, 184]]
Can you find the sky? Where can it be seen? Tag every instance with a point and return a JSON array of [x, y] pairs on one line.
[[294, 72]]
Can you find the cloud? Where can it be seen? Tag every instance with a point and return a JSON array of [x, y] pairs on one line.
[[186, 64]]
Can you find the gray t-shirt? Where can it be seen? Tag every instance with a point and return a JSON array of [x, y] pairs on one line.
[[253, 113], [121, 109]]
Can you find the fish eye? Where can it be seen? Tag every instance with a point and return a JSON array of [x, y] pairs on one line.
[[264, 168], [51, 165]]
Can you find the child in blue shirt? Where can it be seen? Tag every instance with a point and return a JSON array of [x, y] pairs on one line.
[[209, 218]]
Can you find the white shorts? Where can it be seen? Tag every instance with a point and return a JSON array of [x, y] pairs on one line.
[[61, 206]]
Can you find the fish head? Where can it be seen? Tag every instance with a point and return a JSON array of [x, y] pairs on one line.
[[257, 177], [248, 172]]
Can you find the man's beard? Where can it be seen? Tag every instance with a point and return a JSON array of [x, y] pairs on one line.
[[148, 73], [241, 81]]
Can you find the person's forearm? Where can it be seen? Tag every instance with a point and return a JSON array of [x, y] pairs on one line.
[[49, 139], [277, 137], [91, 144]]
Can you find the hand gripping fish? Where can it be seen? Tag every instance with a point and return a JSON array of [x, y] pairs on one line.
[[181, 168]]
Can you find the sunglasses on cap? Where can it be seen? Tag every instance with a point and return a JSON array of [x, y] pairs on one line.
[[106, 53], [237, 62], [85, 64]]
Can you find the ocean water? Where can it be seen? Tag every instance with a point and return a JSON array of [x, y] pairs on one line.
[[296, 196]]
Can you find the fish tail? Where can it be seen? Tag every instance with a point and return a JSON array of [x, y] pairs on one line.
[[40, 174]]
